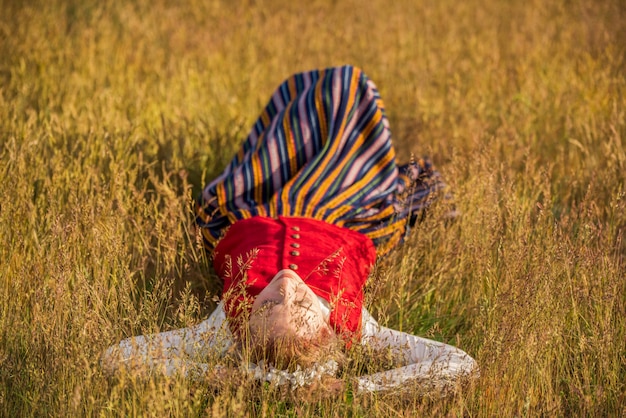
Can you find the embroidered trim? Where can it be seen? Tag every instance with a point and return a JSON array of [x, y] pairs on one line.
[[299, 378]]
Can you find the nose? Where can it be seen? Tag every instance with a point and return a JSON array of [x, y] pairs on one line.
[[287, 287]]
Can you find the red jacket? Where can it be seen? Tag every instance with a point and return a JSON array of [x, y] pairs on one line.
[[333, 261]]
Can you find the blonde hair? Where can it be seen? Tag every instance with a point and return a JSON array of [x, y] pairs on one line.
[[287, 352]]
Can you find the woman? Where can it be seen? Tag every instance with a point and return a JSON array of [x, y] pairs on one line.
[[295, 223]]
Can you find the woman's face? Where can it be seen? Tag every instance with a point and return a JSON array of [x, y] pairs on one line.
[[287, 307]]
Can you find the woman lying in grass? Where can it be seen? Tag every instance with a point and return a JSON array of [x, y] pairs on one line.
[[295, 224]]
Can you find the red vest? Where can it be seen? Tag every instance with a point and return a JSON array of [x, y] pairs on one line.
[[333, 261]]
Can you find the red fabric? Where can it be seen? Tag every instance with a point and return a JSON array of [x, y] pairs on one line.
[[333, 261]]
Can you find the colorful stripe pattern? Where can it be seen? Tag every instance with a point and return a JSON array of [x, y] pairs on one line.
[[321, 149]]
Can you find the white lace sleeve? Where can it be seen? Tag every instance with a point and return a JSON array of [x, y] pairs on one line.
[[182, 351], [430, 362]]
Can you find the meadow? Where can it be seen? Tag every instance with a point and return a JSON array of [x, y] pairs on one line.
[[113, 114]]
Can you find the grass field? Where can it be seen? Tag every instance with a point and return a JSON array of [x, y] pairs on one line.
[[114, 113]]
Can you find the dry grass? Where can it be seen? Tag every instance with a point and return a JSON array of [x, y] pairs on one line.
[[113, 114]]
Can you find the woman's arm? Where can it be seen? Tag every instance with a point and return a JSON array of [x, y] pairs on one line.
[[182, 351], [435, 364]]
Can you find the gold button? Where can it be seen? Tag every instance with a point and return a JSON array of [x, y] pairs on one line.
[[293, 266], [295, 228], [296, 253], [295, 236], [295, 245]]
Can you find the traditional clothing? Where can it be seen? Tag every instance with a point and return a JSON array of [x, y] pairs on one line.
[[315, 188]]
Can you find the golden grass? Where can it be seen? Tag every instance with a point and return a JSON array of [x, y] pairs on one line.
[[113, 115]]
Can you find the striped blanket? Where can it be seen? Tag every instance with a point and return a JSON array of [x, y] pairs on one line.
[[322, 149]]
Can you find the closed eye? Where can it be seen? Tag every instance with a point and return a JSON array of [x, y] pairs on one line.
[[268, 303], [305, 301], [265, 307]]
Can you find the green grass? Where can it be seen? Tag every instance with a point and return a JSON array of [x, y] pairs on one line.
[[113, 115]]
